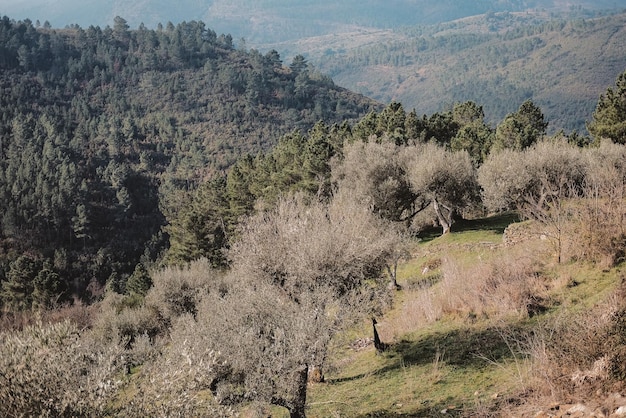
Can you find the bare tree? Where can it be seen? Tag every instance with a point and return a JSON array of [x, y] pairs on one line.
[[542, 182], [602, 235]]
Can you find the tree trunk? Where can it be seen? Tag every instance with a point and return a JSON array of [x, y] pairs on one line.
[[378, 344], [298, 406], [444, 221], [393, 275]]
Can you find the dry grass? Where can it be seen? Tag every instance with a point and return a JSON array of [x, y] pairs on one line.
[[83, 316], [509, 283]]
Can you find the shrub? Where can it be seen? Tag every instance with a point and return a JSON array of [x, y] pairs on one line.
[[53, 370], [178, 382]]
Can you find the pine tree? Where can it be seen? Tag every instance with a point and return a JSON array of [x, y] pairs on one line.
[[139, 282], [17, 290], [609, 118]]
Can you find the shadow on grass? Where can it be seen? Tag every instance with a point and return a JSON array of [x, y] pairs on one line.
[[464, 348], [497, 224], [434, 410]]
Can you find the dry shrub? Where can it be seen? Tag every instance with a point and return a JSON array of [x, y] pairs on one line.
[[575, 356], [581, 202], [177, 291], [78, 313], [127, 323], [136, 329], [53, 370], [599, 233], [507, 285], [17, 320], [420, 308], [178, 383]]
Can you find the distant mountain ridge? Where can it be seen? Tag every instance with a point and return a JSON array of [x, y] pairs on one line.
[[262, 21], [335, 37], [497, 60]]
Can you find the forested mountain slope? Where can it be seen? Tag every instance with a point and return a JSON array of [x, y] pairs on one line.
[[498, 60], [100, 129]]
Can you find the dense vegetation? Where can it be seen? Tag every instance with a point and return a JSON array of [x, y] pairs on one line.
[[102, 128], [230, 277], [266, 21]]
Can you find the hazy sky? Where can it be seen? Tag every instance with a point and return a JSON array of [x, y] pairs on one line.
[[250, 18], [60, 12]]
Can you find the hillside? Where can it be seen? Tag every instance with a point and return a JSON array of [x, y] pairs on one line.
[[497, 53], [458, 350], [103, 130], [497, 60], [278, 269]]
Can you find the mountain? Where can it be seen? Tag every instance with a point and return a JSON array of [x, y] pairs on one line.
[[426, 54], [497, 60], [103, 131], [263, 21]]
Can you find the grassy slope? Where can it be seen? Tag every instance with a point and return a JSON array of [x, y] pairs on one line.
[[457, 364]]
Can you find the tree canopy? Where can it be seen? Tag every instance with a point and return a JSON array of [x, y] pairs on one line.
[[609, 118]]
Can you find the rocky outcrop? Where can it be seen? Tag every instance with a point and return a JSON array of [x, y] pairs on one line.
[[613, 406]]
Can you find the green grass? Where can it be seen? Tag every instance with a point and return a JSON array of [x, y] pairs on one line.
[[447, 365], [456, 366]]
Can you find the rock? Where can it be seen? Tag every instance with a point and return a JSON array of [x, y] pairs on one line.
[[620, 412], [598, 413], [578, 410], [521, 232]]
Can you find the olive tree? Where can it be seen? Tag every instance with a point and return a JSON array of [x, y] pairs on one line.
[[298, 275], [446, 179], [540, 182], [528, 178], [57, 370], [377, 175], [601, 230]]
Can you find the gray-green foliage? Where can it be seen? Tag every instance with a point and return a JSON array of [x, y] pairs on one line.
[[511, 179], [399, 181], [56, 371], [299, 272], [377, 175], [446, 179]]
